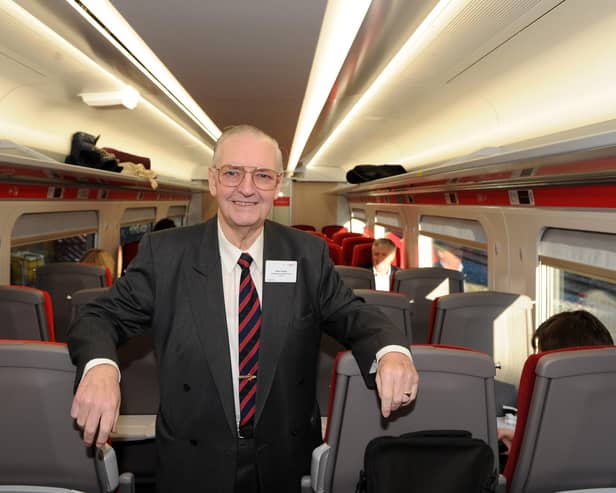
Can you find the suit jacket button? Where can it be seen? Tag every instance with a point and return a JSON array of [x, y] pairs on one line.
[[194, 443], [294, 433], [186, 387], [301, 381]]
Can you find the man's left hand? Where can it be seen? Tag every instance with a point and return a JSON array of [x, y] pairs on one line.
[[396, 382]]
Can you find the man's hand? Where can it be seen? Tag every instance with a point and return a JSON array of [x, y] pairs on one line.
[[96, 404], [396, 381]]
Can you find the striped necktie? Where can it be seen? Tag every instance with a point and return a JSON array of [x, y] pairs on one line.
[[248, 337]]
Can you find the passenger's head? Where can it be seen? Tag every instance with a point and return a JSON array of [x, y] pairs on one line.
[[97, 256], [448, 256], [571, 329], [245, 177], [383, 253], [164, 223]]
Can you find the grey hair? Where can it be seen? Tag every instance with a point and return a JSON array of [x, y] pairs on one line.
[[245, 129]]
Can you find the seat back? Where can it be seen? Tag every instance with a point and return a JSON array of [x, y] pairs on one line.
[[396, 307], [61, 280], [41, 445], [341, 235], [304, 227], [422, 285], [362, 255], [138, 365], [27, 314], [479, 320], [356, 277], [335, 252], [331, 229], [457, 392], [565, 428], [348, 244]]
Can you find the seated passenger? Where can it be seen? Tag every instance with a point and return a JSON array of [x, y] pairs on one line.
[[563, 330], [383, 253], [164, 223], [98, 256]]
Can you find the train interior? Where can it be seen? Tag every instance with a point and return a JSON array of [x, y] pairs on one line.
[[484, 132]]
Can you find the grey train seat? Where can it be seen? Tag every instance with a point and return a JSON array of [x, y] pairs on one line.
[[41, 444], [356, 277], [565, 427], [422, 285], [396, 306], [27, 313], [140, 394], [457, 392], [61, 280]]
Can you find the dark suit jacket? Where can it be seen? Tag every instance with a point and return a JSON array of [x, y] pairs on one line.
[[174, 289]]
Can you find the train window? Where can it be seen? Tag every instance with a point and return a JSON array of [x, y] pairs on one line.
[[45, 238], [388, 225], [358, 221], [135, 223], [577, 270], [178, 214], [458, 244]]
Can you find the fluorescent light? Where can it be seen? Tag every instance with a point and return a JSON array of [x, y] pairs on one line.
[[103, 16], [128, 97], [341, 22], [429, 29]]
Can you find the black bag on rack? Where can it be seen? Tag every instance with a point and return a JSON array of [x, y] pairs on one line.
[[432, 461], [85, 153], [368, 172]]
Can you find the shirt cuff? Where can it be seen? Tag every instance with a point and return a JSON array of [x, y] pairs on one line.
[[389, 349], [100, 361]]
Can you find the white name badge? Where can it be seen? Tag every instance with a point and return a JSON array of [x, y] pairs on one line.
[[280, 271]]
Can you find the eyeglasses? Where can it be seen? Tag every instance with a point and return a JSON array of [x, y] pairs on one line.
[[264, 179]]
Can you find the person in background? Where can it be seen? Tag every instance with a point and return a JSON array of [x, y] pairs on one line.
[[383, 254], [236, 306], [98, 256], [563, 330], [164, 223]]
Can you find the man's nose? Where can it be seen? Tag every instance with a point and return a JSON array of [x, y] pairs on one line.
[[247, 185]]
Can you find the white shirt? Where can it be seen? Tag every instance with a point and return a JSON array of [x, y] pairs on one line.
[[231, 273], [381, 281]]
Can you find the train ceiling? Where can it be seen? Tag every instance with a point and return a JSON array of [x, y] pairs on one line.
[[468, 80]]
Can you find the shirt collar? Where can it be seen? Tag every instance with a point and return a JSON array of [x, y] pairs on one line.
[[229, 253]]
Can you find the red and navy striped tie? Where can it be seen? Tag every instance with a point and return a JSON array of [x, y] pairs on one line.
[[249, 327]]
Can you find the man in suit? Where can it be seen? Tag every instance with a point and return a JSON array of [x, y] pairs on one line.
[[383, 253], [188, 288]]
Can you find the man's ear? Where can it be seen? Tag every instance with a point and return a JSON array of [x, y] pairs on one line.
[[211, 180]]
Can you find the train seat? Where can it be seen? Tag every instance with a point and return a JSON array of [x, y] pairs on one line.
[[341, 235], [457, 392], [565, 425], [348, 244], [140, 395], [335, 252], [356, 277], [362, 255], [422, 285], [304, 227], [41, 445], [396, 306], [61, 280], [27, 313], [331, 229]]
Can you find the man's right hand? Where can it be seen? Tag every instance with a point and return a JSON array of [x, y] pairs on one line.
[[96, 404]]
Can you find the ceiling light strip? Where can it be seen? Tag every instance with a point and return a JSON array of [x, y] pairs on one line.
[[429, 29]]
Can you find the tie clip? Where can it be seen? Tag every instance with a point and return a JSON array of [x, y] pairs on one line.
[[247, 377]]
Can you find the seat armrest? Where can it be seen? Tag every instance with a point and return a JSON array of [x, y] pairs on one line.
[[127, 483], [318, 466]]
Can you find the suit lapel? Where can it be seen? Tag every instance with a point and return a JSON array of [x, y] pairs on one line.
[[276, 311], [208, 307]]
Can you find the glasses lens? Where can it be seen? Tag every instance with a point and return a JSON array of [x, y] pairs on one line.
[[263, 178]]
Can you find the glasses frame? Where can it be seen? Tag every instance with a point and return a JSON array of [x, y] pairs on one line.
[[249, 170]]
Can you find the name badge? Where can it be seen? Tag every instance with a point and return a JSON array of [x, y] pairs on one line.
[[280, 271]]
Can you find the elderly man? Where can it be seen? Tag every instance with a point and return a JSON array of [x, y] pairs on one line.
[[236, 306]]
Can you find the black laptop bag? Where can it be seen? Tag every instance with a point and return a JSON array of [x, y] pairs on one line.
[[434, 461]]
